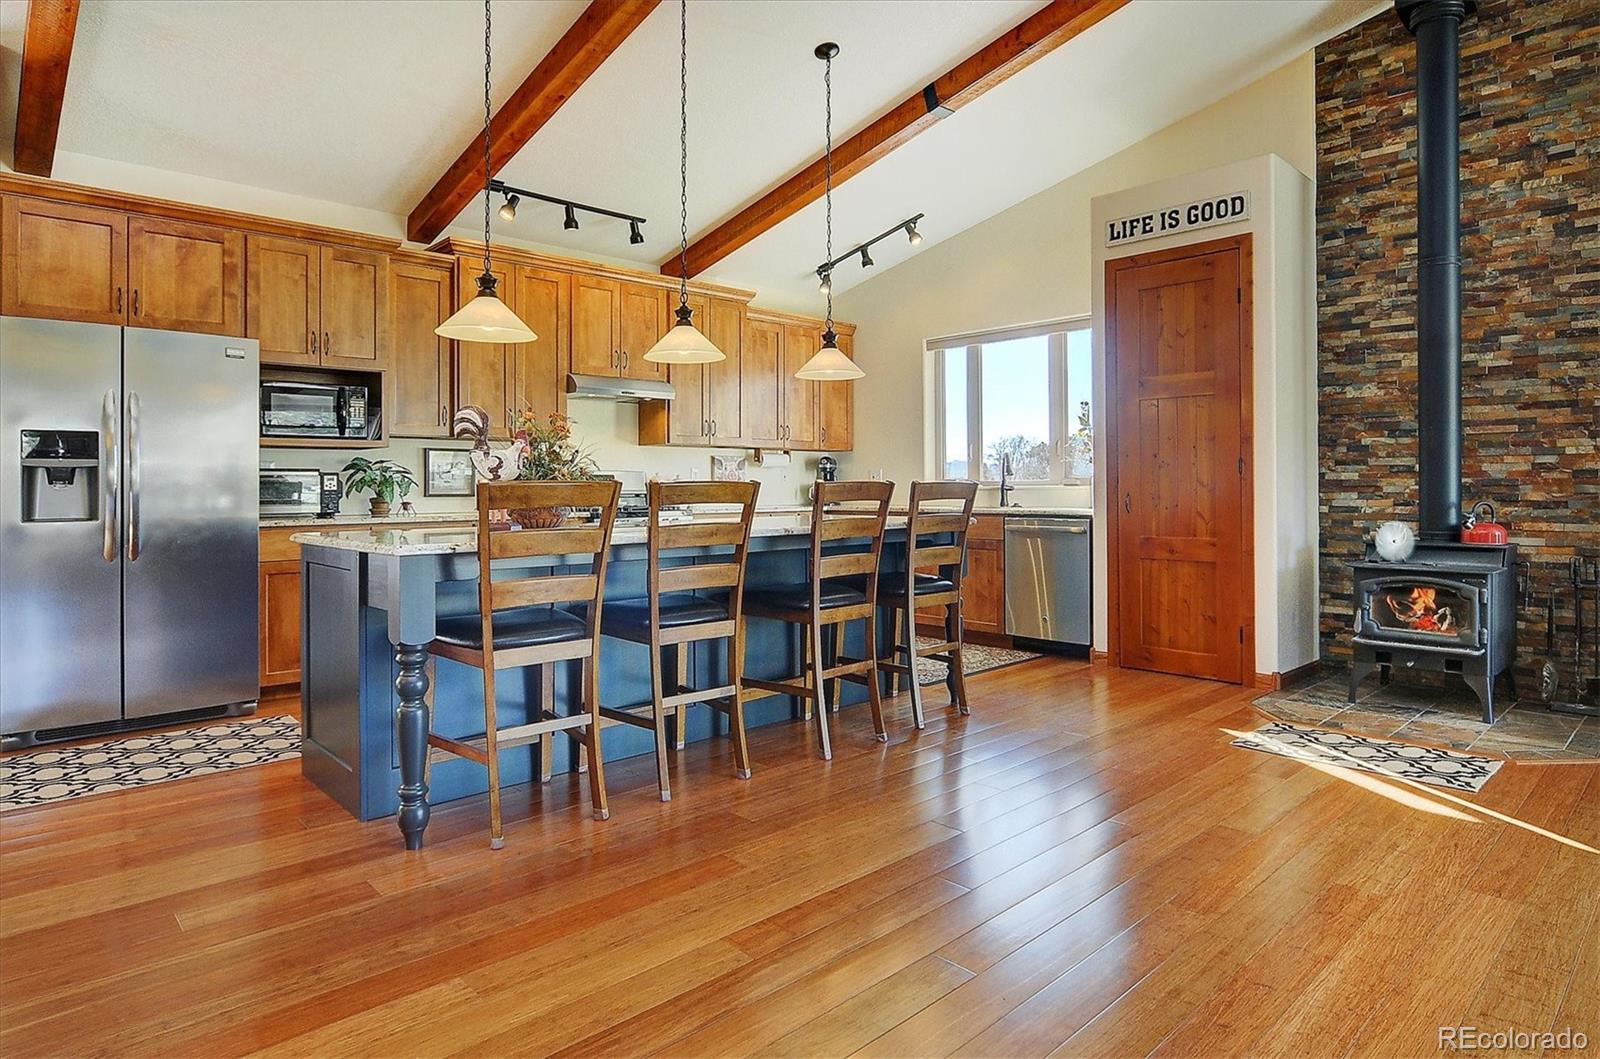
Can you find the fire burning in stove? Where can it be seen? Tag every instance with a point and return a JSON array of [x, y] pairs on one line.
[[1420, 611]]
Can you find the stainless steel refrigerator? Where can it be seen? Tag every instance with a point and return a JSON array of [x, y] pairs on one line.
[[128, 525]]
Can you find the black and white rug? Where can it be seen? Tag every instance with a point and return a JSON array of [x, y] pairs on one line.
[[1440, 768], [39, 777], [978, 658]]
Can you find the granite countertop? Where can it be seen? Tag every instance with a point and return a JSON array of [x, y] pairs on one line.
[[443, 541], [279, 522], [1037, 512]]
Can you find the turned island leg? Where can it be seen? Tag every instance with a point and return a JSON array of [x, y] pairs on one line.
[[412, 721]]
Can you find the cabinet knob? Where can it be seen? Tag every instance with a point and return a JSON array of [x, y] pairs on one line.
[[327, 344], [136, 301], [444, 415], [119, 299], [313, 343]]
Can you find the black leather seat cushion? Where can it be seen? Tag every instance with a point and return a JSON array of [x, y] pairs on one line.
[[677, 609], [894, 584], [519, 627], [836, 592]]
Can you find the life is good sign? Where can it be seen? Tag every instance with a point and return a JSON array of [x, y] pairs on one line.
[[1170, 220]]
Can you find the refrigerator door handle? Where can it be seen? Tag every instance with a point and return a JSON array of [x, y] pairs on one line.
[[133, 476], [111, 460]]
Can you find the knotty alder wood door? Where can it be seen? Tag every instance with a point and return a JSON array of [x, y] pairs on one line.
[[1177, 347], [283, 299], [689, 412], [539, 368], [354, 308], [724, 394], [185, 277], [800, 343], [419, 301], [596, 345], [763, 381], [62, 261], [483, 372]]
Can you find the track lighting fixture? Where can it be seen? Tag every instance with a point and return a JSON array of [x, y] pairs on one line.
[[826, 284], [862, 250], [514, 197]]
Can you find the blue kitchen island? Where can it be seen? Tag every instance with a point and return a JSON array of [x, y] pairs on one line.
[[370, 601]]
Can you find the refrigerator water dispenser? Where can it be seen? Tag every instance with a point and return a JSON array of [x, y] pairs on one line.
[[60, 476]]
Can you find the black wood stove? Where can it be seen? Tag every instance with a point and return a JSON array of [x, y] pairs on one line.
[[1450, 607]]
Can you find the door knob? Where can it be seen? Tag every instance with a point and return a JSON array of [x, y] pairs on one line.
[[1127, 502]]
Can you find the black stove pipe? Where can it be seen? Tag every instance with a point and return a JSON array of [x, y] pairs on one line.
[[1436, 25]]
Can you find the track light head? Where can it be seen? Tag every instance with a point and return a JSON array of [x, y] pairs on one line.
[[866, 258], [826, 284], [635, 236], [913, 236], [571, 223], [508, 208]]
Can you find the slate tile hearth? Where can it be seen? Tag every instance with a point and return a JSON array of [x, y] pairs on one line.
[[1439, 717]]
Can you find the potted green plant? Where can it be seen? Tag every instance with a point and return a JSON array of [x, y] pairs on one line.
[[384, 479], [549, 455]]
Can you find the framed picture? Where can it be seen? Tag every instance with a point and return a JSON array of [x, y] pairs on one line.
[[447, 472]]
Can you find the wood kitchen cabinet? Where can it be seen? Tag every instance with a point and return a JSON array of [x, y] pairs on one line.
[[65, 261], [800, 343], [983, 590], [763, 382], [484, 376], [707, 407], [613, 325], [725, 378], [538, 369], [421, 296], [314, 305], [689, 412], [836, 407], [280, 622]]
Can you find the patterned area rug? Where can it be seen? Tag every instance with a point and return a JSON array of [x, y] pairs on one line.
[[978, 659], [1440, 768], [42, 776]]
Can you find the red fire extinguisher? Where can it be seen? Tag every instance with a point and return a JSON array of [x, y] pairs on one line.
[[1481, 528]]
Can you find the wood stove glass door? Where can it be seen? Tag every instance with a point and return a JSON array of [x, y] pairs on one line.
[[1182, 577]]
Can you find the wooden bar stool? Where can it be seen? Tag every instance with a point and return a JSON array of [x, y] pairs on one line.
[[686, 604], [841, 512], [942, 509], [519, 624]]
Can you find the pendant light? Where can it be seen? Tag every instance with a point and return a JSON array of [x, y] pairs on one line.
[[486, 318], [684, 344], [829, 364]]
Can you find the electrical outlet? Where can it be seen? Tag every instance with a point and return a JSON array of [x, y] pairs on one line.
[[877, 474]]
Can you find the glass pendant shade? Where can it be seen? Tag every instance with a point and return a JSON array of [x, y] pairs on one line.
[[684, 344], [485, 319], [829, 364]]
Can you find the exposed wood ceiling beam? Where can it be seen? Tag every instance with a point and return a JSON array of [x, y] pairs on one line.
[[46, 53], [598, 32], [1032, 39]]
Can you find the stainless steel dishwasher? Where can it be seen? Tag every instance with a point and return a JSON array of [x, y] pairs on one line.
[[1048, 589]]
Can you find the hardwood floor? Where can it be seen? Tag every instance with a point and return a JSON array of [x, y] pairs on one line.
[[1083, 867]]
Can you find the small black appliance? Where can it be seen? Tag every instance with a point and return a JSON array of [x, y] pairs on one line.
[[330, 495]]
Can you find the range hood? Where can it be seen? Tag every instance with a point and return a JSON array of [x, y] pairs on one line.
[[619, 389]]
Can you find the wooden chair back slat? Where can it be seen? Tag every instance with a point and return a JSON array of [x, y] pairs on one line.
[[517, 494], [532, 591], [848, 563], [855, 491], [942, 555], [941, 522], [702, 535], [694, 578], [931, 515], [728, 493], [955, 489], [520, 544], [842, 527]]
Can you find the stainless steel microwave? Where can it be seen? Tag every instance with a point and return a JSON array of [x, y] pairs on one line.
[[314, 410]]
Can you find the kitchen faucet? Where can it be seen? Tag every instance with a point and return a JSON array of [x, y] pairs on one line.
[[1005, 479]]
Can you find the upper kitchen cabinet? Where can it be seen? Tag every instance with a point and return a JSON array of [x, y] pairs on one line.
[[282, 299], [185, 277], [485, 375], [686, 419], [724, 379], [538, 369], [763, 388], [836, 407], [355, 308], [420, 299], [70, 262], [63, 261], [311, 304], [800, 342], [614, 323]]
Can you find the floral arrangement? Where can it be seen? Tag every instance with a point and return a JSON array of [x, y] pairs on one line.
[[548, 453]]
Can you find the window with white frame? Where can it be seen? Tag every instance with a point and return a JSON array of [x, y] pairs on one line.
[[1022, 393]]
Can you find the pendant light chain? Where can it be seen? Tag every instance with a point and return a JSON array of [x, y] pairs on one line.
[[683, 153], [827, 87], [488, 116]]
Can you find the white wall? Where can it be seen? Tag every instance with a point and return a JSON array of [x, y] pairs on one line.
[[1038, 261]]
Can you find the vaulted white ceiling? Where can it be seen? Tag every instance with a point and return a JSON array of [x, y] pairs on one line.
[[364, 102]]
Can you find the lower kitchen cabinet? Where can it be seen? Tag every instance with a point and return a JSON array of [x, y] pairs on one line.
[[280, 622], [983, 589]]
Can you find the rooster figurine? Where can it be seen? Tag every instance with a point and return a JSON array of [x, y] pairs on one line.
[[492, 465]]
